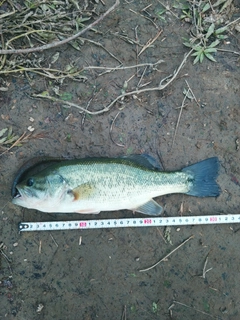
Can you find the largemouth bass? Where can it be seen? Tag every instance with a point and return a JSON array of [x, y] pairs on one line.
[[92, 185]]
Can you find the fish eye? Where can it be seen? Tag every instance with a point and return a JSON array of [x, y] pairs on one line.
[[30, 182]]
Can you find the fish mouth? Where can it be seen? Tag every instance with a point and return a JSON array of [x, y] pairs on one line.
[[21, 194], [17, 194]]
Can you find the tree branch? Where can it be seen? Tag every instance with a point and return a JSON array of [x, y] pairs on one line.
[[59, 43]]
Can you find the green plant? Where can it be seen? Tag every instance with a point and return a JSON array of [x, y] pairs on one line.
[[205, 18], [205, 47], [7, 136]]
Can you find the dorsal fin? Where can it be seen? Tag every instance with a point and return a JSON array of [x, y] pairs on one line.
[[144, 160]]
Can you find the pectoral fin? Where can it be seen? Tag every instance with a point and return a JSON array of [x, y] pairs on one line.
[[151, 208], [83, 191]]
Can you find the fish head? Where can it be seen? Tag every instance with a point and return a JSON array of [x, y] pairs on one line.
[[42, 192]]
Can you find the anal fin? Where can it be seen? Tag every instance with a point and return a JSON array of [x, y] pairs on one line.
[[87, 211], [151, 208]]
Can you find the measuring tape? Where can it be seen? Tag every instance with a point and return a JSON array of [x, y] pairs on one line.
[[132, 222]]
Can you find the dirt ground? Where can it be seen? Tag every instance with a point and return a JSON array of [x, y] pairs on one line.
[[100, 278]]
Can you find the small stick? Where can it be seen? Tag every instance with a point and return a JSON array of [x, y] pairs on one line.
[[234, 21], [225, 50], [204, 269], [153, 266], [110, 132], [179, 117], [123, 68], [185, 305], [40, 247], [150, 42], [84, 115], [124, 314], [192, 93], [59, 43], [54, 240], [80, 240], [161, 235], [5, 257], [137, 41], [168, 9], [155, 25], [175, 73], [147, 7], [100, 45], [143, 73], [161, 86]]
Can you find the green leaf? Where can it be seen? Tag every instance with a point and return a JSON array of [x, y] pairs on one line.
[[3, 140], [221, 37], [214, 44], [221, 30], [226, 4], [3, 131], [55, 57], [198, 48], [196, 59], [195, 54], [201, 57], [83, 19], [205, 8], [66, 96], [11, 140], [187, 44], [9, 132], [216, 4], [210, 30], [181, 5], [210, 57], [161, 11], [154, 307], [209, 50], [45, 93]]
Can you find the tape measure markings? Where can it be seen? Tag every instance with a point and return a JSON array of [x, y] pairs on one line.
[[131, 222]]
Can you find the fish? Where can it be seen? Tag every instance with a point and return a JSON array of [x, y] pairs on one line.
[[92, 185]]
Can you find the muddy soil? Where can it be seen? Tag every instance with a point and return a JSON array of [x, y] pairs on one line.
[[100, 278]]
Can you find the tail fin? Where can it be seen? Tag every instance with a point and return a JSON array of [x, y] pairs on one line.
[[204, 174]]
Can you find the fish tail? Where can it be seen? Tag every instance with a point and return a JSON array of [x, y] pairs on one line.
[[203, 178]]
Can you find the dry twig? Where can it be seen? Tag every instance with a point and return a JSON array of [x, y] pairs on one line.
[[185, 305], [5, 257], [162, 85], [64, 41], [150, 42], [179, 117], [153, 266], [110, 132]]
